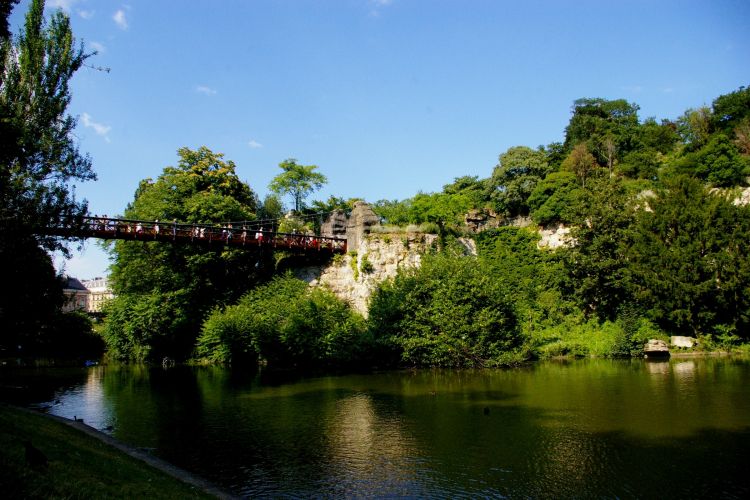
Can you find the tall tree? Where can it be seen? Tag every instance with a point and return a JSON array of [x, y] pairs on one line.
[[299, 181], [164, 290], [689, 261], [39, 163]]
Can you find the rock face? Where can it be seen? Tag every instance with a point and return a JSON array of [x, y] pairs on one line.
[[679, 341], [481, 220], [656, 348], [360, 222], [554, 237], [335, 226], [377, 257]]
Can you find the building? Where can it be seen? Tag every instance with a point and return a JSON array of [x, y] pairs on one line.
[[76, 295], [99, 293], [86, 295]]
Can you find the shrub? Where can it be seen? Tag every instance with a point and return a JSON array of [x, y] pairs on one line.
[[449, 312], [286, 324]]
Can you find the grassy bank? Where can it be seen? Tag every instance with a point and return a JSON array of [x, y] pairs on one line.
[[78, 465]]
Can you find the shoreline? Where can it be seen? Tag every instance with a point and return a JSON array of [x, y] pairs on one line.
[[151, 461]]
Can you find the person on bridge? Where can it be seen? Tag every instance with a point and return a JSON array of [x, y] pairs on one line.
[[156, 227], [138, 228], [174, 229]]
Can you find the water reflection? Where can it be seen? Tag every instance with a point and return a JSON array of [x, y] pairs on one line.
[[588, 428]]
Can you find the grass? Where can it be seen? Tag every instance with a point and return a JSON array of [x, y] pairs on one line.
[[79, 466]]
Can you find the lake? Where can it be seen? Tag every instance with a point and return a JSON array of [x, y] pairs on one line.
[[582, 428]]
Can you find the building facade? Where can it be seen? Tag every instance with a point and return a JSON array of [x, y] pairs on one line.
[[86, 295]]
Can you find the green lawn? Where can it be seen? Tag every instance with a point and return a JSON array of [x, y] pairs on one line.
[[79, 466]]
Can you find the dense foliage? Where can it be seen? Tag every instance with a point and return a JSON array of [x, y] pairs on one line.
[[655, 245], [448, 312], [39, 164], [164, 290], [285, 324]]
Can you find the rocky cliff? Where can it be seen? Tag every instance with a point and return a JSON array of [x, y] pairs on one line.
[[375, 258]]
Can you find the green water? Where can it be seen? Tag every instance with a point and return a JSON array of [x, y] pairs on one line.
[[590, 428]]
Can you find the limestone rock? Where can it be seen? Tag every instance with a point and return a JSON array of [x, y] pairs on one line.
[[555, 237], [680, 341], [656, 348], [335, 225]]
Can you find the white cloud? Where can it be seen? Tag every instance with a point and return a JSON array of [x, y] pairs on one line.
[[254, 144], [100, 48], [61, 4], [86, 14], [99, 128], [120, 20], [205, 90], [377, 5]]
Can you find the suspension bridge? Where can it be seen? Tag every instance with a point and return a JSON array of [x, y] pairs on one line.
[[248, 236]]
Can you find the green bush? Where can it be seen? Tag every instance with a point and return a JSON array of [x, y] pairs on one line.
[[449, 312], [286, 324]]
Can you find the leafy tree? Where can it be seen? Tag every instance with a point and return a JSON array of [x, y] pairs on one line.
[[39, 162], [299, 181], [164, 290], [689, 260], [658, 137], [393, 211], [554, 198], [449, 312], [39, 159], [730, 109], [581, 163], [598, 262], [718, 162], [469, 186], [640, 164], [333, 203], [742, 136], [271, 208], [515, 177], [694, 127], [596, 121]]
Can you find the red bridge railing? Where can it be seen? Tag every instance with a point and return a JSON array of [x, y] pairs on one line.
[[207, 234]]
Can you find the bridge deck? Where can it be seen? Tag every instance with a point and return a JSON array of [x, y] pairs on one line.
[[199, 234]]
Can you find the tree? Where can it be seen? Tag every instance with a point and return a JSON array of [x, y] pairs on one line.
[[580, 162], [39, 158], [299, 181], [597, 262], [694, 127], [730, 108], [164, 290], [689, 260], [449, 312], [39, 162], [514, 178], [595, 120], [554, 198]]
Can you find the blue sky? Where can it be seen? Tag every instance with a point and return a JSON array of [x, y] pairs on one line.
[[387, 97]]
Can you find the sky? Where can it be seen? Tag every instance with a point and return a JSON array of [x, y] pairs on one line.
[[386, 97]]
